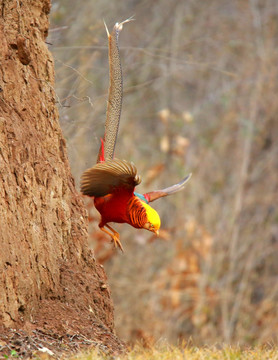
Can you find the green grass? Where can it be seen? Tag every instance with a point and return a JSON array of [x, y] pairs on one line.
[[189, 353]]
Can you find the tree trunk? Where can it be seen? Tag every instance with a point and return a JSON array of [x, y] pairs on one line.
[[49, 277]]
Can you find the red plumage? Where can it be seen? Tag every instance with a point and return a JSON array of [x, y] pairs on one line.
[[113, 207], [112, 182]]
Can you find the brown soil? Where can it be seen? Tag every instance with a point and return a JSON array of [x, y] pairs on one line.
[[73, 321], [78, 316]]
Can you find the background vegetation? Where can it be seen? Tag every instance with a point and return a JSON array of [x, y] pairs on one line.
[[200, 96]]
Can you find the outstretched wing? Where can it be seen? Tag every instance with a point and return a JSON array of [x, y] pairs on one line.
[[105, 178], [115, 97], [154, 195]]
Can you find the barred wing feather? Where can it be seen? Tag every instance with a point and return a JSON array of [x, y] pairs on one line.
[[154, 195], [106, 177]]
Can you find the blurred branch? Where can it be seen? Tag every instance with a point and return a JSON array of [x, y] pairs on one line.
[[232, 312]]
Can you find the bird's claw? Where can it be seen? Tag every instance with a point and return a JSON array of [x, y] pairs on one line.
[[117, 243]]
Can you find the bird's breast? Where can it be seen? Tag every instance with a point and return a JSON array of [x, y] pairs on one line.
[[112, 208]]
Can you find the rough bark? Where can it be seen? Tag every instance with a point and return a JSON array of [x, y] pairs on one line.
[[49, 277]]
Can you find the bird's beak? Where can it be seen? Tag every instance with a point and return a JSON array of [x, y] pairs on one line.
[[148, 227]]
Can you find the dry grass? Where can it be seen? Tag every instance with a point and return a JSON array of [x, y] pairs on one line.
[[201, 89], [189, 353]]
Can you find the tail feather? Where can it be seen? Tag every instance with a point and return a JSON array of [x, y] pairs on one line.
[[114, 105], [100, 157]]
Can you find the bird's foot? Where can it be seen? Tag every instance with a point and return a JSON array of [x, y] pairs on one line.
[[114, 235], [116, 241]]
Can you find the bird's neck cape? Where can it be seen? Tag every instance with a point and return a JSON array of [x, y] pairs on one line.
[[152, 215]]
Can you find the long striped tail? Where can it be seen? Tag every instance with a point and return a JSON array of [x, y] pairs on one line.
[[115, 97]]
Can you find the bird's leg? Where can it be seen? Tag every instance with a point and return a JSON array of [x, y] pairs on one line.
[[114, 235]]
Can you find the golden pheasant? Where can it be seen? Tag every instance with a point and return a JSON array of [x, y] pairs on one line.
[[112, 181]]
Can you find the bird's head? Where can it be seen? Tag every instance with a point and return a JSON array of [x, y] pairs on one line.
[[153, 219]]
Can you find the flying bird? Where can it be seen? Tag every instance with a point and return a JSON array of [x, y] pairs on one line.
[[112, 181]]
